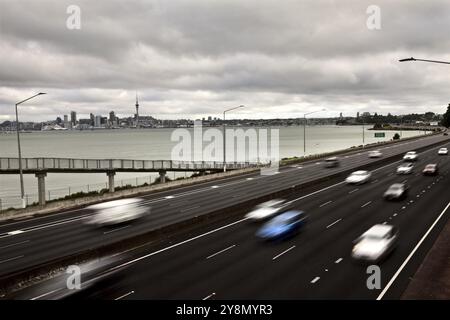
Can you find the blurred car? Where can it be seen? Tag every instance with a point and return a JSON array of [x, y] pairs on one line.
[[267, 209], [358, 177], [117, 212], [445, 134], [104, 276], [443, 151], [375, 154], [411, 156], [283, 226], [405, 168], [376, 243], [430, 169], [331, 162], [396, 191]]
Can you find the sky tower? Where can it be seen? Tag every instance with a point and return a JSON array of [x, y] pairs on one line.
[[137, 112]]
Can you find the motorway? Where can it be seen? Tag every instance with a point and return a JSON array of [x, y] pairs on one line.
[[228, 262]]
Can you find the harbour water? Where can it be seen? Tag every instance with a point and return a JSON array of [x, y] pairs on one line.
[[152, 144]]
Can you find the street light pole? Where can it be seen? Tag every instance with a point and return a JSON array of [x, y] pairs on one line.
[[423, 60], [304, 129], [224, 137], [22, 189]]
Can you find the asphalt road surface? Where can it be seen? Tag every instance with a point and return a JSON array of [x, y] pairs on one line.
[[228, 262]]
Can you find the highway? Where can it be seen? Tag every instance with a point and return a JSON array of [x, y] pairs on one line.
[[227, 261]]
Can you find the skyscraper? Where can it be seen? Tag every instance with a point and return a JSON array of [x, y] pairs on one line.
[[73, 118], [137, 111], [92, 117]]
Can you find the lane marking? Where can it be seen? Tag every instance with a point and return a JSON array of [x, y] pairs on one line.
[[11, 259], [114, 230], [338, 260], [45, 294], [386, 288], [285, 251], [330, 225], [375, 181], [315, 280], [169, 197], [221, 251], [190, 208], [324, 204], [13, 233], [354, 190], [14, 244], [366, 204], [211, 295], [125, 295], [214, 187]]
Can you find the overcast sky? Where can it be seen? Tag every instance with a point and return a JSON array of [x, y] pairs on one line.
[[190, 58]]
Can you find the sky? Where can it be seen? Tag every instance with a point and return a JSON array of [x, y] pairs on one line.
[[191, 59]]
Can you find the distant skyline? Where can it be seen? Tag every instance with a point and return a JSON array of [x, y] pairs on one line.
[[193, 59]]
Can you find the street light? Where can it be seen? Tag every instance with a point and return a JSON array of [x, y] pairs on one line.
[[22, 191], [424, 60], [304, 129], [224, 139]]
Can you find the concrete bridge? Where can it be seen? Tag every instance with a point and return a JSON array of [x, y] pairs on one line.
[[41, 166]]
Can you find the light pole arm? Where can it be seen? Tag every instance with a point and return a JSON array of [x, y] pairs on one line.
[[423, 60]]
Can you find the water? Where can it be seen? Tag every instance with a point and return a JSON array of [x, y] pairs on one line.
[[152, 144]]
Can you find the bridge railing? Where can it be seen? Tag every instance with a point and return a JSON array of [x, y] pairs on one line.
[[115, 164]]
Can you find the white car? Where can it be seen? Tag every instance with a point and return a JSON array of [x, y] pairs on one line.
[[375, 154], [359, 177], [396, 191], [410, 156], [405, 168], [375, 243], [267, 209], [117, 211], [443, 151]]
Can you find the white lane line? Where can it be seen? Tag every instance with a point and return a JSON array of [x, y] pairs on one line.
[[315, 280], [324, 204], [386, 288], [338, 260], [14, 244], [285, 251], [354, 190], [125, 295], [330, 225], [395, 215], [375, 181], [191, 208], [13, 233], [11, 259], [221, 251], [169, 197], [209, 296], [248, 179], [114, 230], [385, 222], [390, 174], [317, 162], [404, 181], [45, 294], [403, 208], [214, 187], [366, 204]]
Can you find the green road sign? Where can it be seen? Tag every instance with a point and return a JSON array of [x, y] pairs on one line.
[[379, 135]]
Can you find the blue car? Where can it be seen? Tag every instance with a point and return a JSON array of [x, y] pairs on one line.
[[283, 226]]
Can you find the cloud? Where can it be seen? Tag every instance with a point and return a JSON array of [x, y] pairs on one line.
[[191, 58]]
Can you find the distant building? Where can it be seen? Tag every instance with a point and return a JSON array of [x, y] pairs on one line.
[[66, 122], [92, 117], [209, 118], [73, 118], [98, 121]]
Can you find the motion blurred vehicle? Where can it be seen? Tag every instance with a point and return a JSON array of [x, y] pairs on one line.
[[396, 191], [405, 168], [267, 209], [411, 156], [358, 177], [376, 243], [104, 276], [117, 212], [445, 134], [443, 151], [283, 226], [375, 154], [331, 162], [430, 169]]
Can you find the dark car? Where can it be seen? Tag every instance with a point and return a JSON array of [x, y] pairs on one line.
[[445, 134], [283, 226], [331, 162], [430, 169]]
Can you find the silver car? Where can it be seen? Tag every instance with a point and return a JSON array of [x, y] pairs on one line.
[[396, 191], [376, 243], [117, 211], [267, 209], [359, 177], [405, 168]]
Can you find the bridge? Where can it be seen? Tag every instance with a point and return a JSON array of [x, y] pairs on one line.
[[41, 166]]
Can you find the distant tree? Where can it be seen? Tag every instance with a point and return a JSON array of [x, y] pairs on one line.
[[446, 118], [396, 136]]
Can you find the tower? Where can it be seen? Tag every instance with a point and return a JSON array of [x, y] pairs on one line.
[[137, 111]]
